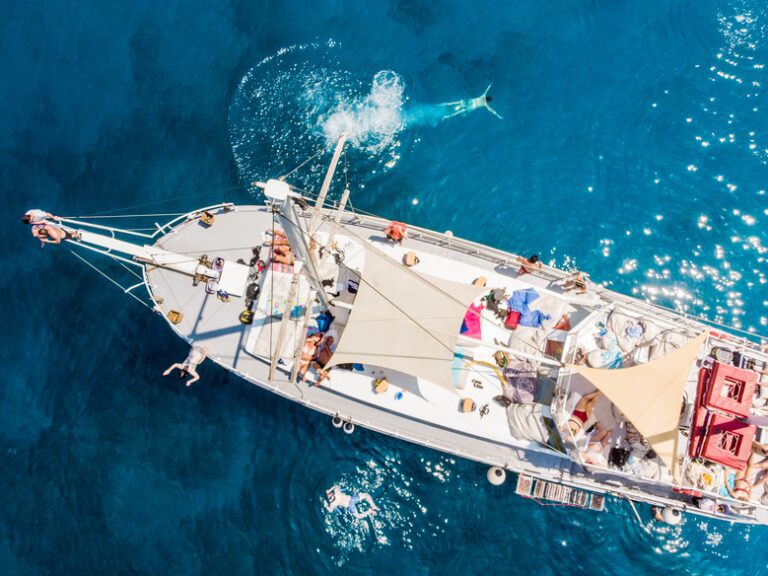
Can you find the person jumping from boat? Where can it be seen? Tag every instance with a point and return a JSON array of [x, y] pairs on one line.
[[461, 107], [196, 356], [339, 501]]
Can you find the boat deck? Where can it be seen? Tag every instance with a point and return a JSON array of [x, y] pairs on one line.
[[412, 409]]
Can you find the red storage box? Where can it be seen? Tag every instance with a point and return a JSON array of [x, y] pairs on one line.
[[730, 389]]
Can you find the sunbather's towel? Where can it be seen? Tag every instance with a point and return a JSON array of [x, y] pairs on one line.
[[523, 382], [471, 325], [533, 318], [520, 299]]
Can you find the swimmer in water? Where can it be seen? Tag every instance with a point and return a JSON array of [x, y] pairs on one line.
[[337, 500], [461, 107]]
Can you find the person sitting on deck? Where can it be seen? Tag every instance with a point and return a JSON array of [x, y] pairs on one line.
[[196, 356], [397, 232], [337, 500], [36, 216], [528, 265], [308, 353], [583, 412], [577, 281], [323, 356]]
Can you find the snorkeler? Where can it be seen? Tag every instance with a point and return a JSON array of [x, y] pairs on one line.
[[337, 500], [462, 107]]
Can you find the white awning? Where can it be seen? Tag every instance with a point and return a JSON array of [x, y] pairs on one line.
[[404, 321]]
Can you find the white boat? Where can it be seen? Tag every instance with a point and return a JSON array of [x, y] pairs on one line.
[[426, 352]]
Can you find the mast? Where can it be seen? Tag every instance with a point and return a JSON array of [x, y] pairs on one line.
[[327, 181]]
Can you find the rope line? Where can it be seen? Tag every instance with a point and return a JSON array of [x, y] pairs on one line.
[[131, 294]]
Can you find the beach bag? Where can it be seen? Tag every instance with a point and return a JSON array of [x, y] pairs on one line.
[[410, 259], [512, 319], [502, 358], [467, 405]]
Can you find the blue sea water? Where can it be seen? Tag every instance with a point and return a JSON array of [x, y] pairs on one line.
[[633, 144]]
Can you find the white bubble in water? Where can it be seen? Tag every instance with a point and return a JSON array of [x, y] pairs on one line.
[[415, 201]]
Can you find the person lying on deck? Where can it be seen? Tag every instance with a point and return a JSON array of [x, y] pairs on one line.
[[583, 412], [600, 438], [323, 356], [308, 354], [279, 238], [744, 482], [282, 254]]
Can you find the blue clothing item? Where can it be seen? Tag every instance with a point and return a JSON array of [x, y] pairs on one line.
[[635, 331], [519, 302], [521, 298], [533, 318], [324, 321]]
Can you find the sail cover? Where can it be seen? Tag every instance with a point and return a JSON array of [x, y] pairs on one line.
[[651, 395], [404, 321]]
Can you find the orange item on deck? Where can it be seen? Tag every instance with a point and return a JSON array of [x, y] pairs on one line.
[[730, 389], [396, 231]]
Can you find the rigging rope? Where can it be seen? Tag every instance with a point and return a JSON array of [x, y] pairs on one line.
[[131, 294]]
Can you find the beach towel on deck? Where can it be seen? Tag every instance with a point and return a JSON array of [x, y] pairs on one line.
[[520, 299], [519, 302], [471, 325], [533, 318]]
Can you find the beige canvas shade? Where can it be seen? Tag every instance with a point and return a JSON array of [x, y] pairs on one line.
[[651, 395], [404, 321]]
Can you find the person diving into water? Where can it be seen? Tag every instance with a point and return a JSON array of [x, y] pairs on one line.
[[461, 107], [339, 501]]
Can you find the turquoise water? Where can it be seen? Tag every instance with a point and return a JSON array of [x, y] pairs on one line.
[[632, 144]]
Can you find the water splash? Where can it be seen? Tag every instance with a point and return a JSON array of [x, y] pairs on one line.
[[372, 122]]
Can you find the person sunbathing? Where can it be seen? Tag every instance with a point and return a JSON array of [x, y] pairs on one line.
[[308, 354], [279, 238], [282, 254], [323, 356], [744, 483], [583, 412], [593, 454]]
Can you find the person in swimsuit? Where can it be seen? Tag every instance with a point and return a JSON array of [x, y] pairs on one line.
[[337, 500], [528, 265], [189, 367], [308, 354], [593, 454], [577, 281], [583, 412], [396, 232], [323, 356], [461, 107], [744, 483]]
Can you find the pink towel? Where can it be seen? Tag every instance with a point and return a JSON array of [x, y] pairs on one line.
[[471, 325]]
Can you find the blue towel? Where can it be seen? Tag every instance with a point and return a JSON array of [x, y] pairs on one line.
[[521, 298], [519, 303], [533, 318]]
